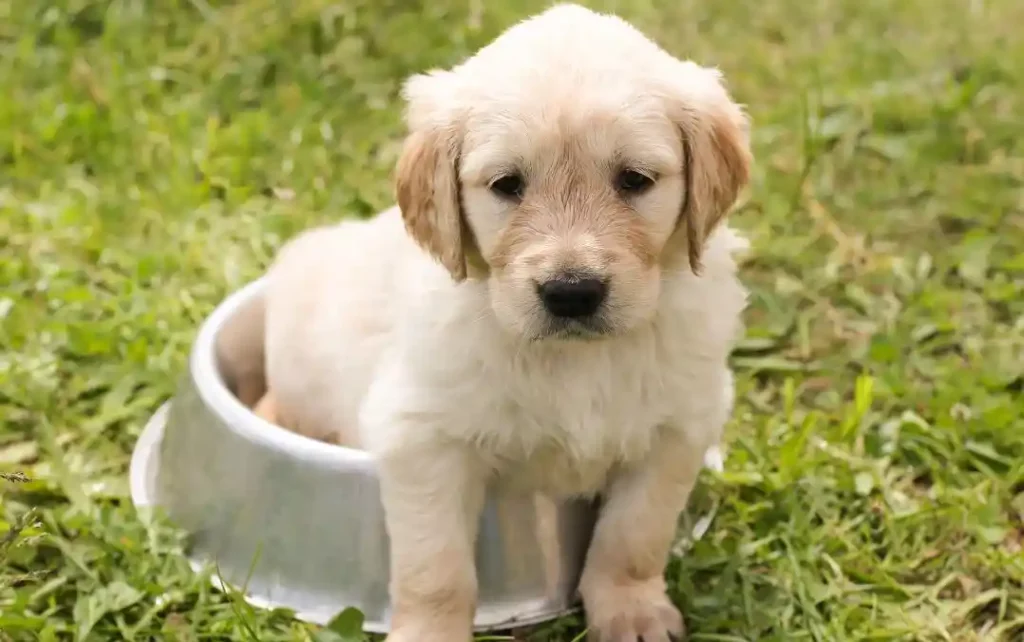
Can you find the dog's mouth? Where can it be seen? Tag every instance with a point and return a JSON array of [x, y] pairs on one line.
[[585, 329]]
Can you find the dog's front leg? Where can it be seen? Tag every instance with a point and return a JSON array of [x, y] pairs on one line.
[[623, 584], [432, 501]]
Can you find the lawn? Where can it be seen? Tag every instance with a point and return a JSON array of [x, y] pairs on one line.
[[153, 155]]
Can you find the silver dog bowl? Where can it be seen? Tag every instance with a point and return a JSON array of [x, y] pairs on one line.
[[298, 523]]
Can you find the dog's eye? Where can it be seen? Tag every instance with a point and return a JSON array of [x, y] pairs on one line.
[[632, 182], [509, 186]]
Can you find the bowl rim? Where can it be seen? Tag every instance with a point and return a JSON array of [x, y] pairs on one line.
[[235, 416]]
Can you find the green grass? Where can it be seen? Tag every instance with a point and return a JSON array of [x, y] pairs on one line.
[[153, 155]]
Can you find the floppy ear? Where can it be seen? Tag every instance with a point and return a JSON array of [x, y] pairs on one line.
[[716, 146], [428, 195], [427, 182]]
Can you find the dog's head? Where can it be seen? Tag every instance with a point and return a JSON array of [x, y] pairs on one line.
[[568, 163]]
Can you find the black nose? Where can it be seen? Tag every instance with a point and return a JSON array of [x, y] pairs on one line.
[[571, 297]]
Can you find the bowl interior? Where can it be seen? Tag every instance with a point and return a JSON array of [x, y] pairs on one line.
[[239, 349], [228, 366]]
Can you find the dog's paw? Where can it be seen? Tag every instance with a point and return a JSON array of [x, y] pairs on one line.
[[431, 629], [409, 634], [633, 613]]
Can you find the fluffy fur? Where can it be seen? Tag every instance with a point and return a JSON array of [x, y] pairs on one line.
[[419, 335]]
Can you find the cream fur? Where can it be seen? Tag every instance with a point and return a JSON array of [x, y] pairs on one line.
[[452, 382]]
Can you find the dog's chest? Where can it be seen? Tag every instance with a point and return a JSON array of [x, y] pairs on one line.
[[565, 421]]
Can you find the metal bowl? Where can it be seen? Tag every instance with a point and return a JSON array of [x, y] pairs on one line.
[[299, 524]]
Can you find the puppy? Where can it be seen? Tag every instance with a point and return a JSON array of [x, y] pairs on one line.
[[551, 304]]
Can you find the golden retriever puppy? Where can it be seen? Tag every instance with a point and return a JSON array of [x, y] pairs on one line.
[[551, 304]]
